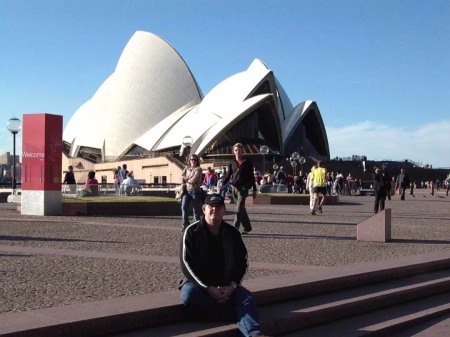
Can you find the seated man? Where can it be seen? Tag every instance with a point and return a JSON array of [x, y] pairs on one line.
[[214, 261], [130, 186]]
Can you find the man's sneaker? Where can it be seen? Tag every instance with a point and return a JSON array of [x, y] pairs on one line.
[[319, 209], [313, 212], [246, 231]]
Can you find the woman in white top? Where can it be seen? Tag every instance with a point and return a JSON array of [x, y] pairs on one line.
[[309, 186]]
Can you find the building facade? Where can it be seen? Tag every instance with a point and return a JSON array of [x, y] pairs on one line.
[[144, 110]]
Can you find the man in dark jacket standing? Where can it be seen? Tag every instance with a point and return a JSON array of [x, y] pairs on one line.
[[241, 169], [380, 189], [213, 260], [403, 183]]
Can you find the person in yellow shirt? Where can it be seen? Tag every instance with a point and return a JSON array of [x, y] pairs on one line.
[[319, 187]]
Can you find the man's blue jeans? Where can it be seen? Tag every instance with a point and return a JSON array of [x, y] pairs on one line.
[[241, 307], [197, 200]]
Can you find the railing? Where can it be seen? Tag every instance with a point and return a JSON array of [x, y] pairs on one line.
[[75, 190]]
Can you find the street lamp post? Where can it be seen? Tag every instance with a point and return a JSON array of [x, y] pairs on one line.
[[301, 160], [364, 161], [294, 166], [187, 143], [14, 125], [264, 150], [294, 157], [275, 168]]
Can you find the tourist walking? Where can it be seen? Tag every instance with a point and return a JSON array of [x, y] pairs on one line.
[[319, 187], [241, 170], [402, 182], [310, 187]]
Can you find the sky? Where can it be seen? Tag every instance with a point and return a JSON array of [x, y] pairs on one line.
[[379, 70]]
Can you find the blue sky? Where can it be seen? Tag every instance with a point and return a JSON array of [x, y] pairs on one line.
[[379, 70]]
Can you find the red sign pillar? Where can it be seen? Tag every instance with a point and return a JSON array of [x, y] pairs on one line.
[[41, 164]]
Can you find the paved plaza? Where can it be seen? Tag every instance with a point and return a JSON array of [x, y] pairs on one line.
[[59, 260]]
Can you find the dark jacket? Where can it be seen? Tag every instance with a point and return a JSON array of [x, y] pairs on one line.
[[242, 175], [379, 184], [69, 178], [213, 261], [387, 179], [403, 180]]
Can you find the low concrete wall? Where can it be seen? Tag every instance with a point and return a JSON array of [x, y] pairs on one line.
[[289, 199], [121, 208]]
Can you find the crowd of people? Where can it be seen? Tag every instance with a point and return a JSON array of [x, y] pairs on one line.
[[124, 183], [335, 182]]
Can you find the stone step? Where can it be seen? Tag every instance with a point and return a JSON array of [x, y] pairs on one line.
[[281, 318], [386, 322], [134, 313]]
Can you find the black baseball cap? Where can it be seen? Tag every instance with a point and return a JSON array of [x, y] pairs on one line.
[[214, 199]]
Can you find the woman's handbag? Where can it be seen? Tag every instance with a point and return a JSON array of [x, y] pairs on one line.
[[179, 192]]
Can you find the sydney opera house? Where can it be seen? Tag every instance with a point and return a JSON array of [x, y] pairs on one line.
[[151, 108]]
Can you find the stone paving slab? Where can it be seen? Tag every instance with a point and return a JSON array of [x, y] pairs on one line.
[[52, 261]]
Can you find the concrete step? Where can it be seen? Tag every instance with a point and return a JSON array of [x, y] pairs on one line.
[[386, 322], [435, 327], [315, 310], [165, 312]]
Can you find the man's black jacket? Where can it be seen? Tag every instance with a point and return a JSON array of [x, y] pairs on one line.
[[242, 175], [200, 265]]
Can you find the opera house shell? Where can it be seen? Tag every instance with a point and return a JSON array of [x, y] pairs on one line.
[[152, 101]]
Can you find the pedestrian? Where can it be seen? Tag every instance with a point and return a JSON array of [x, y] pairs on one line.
[[123, 173], [116, 180], [69, 179], [310, 187], [210, 179], [447, 182], [241, 169], [339, 183], [192, 178], [380, 188], [330, 182], [214, 262], [387, 179], [224, 188], [281, 176], [319, 187], [402, 183]]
